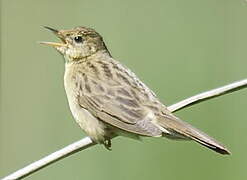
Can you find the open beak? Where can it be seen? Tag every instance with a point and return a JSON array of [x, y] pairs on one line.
[[51, 29], [55, 44]]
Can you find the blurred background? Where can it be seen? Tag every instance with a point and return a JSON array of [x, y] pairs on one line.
[[178, 48]]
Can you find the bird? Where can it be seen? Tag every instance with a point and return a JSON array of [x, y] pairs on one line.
[[108, 100]]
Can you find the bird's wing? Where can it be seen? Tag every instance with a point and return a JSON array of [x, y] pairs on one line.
[[116, 105]]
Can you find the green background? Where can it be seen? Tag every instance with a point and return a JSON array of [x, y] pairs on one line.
[[177, 47]]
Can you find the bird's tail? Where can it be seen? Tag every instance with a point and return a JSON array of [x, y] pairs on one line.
[[182, 130]]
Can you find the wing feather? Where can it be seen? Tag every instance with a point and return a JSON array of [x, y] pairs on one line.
[[117, 106]]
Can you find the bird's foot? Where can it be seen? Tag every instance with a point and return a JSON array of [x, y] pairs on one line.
[[107, 144]]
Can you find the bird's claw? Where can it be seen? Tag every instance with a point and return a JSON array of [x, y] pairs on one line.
[[107, 144]]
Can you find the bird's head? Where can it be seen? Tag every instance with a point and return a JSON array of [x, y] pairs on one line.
[[77, 43]]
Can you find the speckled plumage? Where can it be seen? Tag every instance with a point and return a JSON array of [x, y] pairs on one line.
[[107, 99]]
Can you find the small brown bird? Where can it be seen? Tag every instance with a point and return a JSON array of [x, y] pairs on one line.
[[107, 99]]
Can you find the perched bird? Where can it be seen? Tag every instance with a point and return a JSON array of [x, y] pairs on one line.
[[107, 99]]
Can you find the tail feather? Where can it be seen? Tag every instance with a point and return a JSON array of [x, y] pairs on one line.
[[182, 129]]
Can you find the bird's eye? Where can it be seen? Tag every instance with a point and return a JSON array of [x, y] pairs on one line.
[[78, 39]]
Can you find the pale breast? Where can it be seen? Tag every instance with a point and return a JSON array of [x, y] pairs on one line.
[[91, 125]]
